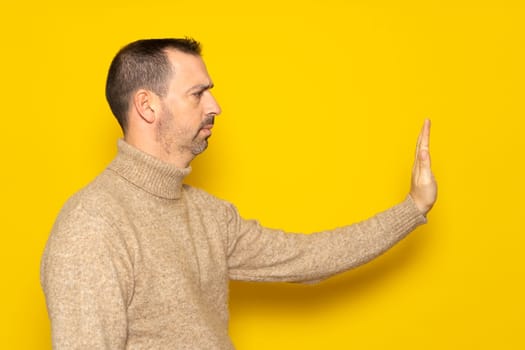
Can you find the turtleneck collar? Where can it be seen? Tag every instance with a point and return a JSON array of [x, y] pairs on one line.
[[147, 172]]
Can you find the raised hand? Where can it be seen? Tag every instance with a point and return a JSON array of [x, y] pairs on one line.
[[423, 189]]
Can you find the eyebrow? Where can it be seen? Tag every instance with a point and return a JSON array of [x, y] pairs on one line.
[[201, 87]]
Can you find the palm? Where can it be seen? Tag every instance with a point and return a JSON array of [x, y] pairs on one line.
[[423, 189]]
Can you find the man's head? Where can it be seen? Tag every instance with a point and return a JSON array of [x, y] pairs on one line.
[[142, 64], [158, 89]]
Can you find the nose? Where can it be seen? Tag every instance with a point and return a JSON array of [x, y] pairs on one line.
[[213, 107]]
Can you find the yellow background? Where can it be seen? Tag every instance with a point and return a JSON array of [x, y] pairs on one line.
[[322, 103]]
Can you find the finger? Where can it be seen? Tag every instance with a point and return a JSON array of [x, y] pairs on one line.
[[417, 154], [425, 135], [424, 147], [418, 143], [424, 160]]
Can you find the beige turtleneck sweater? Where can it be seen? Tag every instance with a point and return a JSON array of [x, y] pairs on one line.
[[137, 260]]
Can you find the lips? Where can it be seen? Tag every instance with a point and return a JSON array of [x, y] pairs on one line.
[[206, 130], [207, 125]]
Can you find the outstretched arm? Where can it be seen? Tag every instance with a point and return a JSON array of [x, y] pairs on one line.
[[423, 189], [260, 254]]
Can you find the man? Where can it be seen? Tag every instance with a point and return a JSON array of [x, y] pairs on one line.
[[137, 260]]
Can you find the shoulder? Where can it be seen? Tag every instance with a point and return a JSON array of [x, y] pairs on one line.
[[88, 209], [102, 196], [83, 226], [78, 222]]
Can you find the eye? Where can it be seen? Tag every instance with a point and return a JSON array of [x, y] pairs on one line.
[[198, 94]]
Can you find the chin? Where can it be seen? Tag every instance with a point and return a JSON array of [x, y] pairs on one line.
[[199, 148]]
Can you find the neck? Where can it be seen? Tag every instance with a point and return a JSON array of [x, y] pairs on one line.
[[147, 172], [155, 149]]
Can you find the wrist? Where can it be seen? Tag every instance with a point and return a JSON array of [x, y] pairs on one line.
[[423, 209]]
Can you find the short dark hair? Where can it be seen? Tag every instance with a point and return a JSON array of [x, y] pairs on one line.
[[142, 64]]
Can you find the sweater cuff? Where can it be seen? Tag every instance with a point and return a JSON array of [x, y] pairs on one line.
[[408, 216]]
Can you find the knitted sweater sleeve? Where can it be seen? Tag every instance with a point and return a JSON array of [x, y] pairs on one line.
[[86, 279], [256, 253]]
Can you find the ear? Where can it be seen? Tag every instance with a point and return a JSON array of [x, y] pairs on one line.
[[144, 104]]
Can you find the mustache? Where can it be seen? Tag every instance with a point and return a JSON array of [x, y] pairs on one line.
[[209, 120]]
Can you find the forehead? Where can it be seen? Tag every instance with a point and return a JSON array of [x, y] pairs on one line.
[[188, 69]]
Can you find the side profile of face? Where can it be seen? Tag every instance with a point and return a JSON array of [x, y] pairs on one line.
[[188, 110]]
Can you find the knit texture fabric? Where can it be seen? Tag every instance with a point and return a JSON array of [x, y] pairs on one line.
[[137, 260]]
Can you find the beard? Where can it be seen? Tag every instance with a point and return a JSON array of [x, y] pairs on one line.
[[199, 144], [182, 140]]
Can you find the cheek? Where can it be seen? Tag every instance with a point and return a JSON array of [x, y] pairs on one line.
[[191, 116], [186, 114]]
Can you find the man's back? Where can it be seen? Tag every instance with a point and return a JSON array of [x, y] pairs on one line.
[[136, 259]]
